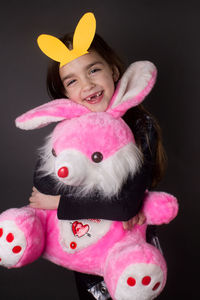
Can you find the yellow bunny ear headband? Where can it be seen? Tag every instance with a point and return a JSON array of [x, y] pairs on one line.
[[82, 39]]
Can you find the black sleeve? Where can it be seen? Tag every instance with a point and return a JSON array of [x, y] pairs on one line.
[[118, 208], [44, 184]]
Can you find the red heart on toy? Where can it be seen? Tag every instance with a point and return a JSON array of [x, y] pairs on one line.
[[79, 229]]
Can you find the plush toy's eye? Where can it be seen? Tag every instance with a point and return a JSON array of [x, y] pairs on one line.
[[54, 152], [97, 157]]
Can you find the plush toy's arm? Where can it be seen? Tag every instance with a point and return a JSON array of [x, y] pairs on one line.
[[159, 207]]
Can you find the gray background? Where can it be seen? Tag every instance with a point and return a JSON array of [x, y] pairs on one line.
[[165, 32]]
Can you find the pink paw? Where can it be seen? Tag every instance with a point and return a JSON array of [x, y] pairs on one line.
[[12, 244], [140, 282]]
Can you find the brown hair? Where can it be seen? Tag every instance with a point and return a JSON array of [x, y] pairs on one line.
[[56, 90]]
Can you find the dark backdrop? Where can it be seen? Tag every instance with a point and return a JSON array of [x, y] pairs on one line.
[[165, 32]]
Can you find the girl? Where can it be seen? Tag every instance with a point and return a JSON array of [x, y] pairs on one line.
[[90, 80]]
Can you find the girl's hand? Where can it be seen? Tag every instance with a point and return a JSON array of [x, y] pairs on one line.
[[138, 219], [43, 201]]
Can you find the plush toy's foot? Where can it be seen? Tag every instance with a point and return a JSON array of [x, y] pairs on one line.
[[135, 270], [22, 236], [12, 244], [139, 281]]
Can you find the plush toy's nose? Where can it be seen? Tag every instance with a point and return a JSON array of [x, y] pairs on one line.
[[63, 172]]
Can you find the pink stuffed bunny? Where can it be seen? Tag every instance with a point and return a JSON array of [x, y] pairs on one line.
[[92, 151]]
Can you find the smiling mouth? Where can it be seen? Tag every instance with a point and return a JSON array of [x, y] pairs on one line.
[[94, 98]]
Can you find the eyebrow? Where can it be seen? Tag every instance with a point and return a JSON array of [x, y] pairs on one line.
[[87, 67]]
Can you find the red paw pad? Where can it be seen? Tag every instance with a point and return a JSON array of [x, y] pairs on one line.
[[146, 280], [10, 238], [1, 232], [156, 286], [131, 281], [16, 249]]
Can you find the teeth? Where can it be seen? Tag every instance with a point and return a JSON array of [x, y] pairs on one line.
[[96, 95]]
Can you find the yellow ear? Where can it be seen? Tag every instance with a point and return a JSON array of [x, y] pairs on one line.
[[84, 33], [52, 47], [82, 40]]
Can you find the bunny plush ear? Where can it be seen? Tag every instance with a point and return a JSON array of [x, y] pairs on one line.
[[133, 87], [47, 113], [82, 39]]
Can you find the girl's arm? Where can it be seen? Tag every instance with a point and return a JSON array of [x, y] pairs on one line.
[[122, 208], [43, 201]]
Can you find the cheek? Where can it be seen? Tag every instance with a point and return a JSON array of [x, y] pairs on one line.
[[73, 94], [110, 86]]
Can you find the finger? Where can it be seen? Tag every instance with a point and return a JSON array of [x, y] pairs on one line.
[[142, 219], [126, 225], [33, 205], [33, 200], [134, 220]]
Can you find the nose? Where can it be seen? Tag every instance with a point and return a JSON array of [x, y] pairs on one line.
[[63, 172], [87, 84]]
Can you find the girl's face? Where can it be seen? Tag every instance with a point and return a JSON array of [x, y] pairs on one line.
[[89, 81]]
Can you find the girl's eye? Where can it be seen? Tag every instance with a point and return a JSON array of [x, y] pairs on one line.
[[94, 70], [70, 82]]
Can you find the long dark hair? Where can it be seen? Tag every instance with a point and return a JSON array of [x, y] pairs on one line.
[[56, 90]]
